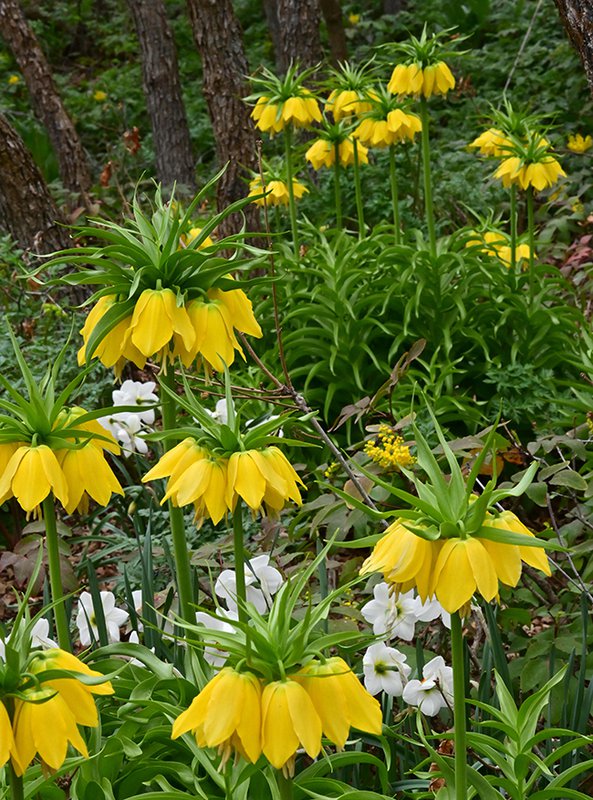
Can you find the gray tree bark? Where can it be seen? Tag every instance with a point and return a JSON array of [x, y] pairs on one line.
[[27, 209], [299, 33], [162, 90], [46, 102], [577, 18], [219, 40]]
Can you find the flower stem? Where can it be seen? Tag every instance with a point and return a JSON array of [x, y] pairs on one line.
[[358, 190], [16, 784], [337, 187], [531, 232], [176, 520], [238, 536], [55, 577], [289, 179], [459, 707], [394, 193], [427, 177], [284, 785], [513, 227]]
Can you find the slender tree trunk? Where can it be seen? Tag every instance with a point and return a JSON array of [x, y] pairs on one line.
[[299, 32], [271, 12], [162, 89], [27, 209], [577, 18], [219, 40], [46, 102], [334, 21]]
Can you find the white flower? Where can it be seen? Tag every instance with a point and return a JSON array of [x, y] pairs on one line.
[[261, 582], [126, 427], [39, 637], [136, 393], [391, 615], [385, 670], [214, 654], [86, 619], [435, 691], [220, 413], [431, 610]]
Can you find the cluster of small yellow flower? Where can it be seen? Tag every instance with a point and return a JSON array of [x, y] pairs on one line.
[[388, 449]]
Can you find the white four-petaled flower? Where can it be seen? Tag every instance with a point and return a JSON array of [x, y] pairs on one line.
[[385, 670], [435, 691], [86, 620], [391, 615]]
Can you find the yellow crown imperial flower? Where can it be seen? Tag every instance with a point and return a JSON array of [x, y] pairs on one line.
[[346, 103], [496, 244], [414, 79], [87, 475], [540, 175], [267, 117], [578, 143], [492, 142], [322, 153], [7, 743], [289, 721], [215, 483], [30, 475], [403, 558], [301, 111], [454, 568], [46, 719], [277, 192], [116, 347], [384, 126], [226, 714], [339, 699], [193, 233], [158, 319]]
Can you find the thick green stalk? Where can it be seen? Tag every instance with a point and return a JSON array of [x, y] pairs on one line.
[[531, 233], [289, 179], [176, 520], [337, 187], [239, 550], [284, 785], [394, 192], [513, 227], [428, 207], [55, 577], [16, 784], [358, 191], [239, 561], [459, 719]]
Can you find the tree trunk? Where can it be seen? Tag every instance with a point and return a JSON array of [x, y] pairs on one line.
[[271, 12], [577, 18], [334, 21], [46, 102], [299, 33], [162, 90], [219, 40], [27, 210]]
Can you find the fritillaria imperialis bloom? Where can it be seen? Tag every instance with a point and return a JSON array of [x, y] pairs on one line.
[[283, 102], [454, 543], [497, 244], [227, 715], [277, 192], [322, 153], [214, 483], [164, 291], [47, 714], [416, 79], [492, 142], [577, 143]]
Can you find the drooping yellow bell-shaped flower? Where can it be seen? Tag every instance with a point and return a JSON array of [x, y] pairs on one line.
[[226, 714], [340, 699], [30, 475], [289, 721], [7, 743]]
